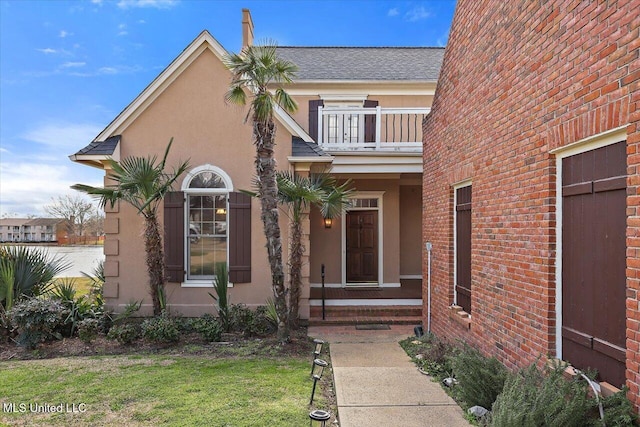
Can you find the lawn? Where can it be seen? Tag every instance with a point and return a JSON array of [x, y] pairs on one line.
[[142, 390]]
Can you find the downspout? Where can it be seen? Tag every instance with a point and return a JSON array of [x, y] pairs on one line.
[[429, 246]]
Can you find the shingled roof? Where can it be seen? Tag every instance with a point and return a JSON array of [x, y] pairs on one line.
[[106, 147], [365, 63], [301, 148]]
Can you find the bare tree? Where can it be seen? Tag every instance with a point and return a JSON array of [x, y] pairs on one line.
[[75, 209]]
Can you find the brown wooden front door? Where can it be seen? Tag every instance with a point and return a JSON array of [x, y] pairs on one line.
[[362, 246], [593, 261]]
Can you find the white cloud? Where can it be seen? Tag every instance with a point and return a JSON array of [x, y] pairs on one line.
[[64, 34], [73, 64], [123, 30], [47, 50], [63, 136], [158, 4], [416, 14], [393, 12], [142, 21], [99, 2], [27, 187]]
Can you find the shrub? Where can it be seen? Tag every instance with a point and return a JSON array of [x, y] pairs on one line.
[[160, 329], [249, 322], [79, 308], [37, 320], [124, 333], [208, 327], [26, 272], [88, 329], [618, 411], [480, 379], [531, 398], [431, 354]]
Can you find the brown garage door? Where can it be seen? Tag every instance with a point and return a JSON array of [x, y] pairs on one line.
[[593, 261]]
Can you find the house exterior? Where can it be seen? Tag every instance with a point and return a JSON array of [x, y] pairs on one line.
[[530, 185], [359, 117], [21, 230]]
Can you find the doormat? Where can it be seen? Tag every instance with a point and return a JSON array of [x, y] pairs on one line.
[[372, 327]]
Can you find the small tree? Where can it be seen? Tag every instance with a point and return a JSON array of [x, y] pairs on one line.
[[297, 194], [254, 71], [142, 182]]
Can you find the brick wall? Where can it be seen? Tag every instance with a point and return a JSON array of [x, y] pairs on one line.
[[519, 79]]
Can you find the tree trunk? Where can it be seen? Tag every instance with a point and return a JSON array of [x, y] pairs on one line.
[[155, 260], [264, 134], [295, 271]]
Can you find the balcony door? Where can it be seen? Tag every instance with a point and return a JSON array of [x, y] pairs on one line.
[[343, 127]]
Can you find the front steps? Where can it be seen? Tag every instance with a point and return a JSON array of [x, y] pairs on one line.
[[366, 315]]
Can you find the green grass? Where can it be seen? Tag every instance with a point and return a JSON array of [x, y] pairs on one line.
[[159, 390]]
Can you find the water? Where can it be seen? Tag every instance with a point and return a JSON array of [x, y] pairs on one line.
[[81, 258]]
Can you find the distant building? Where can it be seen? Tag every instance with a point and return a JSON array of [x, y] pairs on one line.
[[34, 230]]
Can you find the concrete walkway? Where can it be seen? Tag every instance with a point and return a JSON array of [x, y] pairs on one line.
[[378, 385]]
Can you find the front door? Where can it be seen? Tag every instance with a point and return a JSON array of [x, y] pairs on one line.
[[362, 247], [593, 261]]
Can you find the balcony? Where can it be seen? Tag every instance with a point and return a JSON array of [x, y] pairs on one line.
[[370, 129]]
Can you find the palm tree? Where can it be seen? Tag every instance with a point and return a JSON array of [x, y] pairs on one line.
[[254, 71], [142, 182], [297, 194]]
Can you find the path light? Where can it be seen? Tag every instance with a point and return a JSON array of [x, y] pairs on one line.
[[316, 351], [319, 418], [318, 368], [316, 373]]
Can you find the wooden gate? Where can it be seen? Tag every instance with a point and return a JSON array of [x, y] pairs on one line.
[[593, 261]]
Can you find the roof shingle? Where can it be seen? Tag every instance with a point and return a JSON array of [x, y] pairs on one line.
[[365, 63]]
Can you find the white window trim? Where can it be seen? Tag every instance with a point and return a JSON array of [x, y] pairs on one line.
[[594, 142], [365, 195], [456, 187], [202, 283]]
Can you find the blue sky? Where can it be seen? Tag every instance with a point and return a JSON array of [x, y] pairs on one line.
[[67, 68]]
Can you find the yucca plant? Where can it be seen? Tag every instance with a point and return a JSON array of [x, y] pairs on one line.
[[221, 287], [27, 272]]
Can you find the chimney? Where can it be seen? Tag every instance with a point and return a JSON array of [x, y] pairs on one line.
[[247, 28]]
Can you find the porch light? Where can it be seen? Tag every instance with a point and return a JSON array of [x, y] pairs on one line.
[[318, 417], [328, 222]]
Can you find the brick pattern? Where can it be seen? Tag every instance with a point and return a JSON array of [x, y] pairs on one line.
[[519, 79]]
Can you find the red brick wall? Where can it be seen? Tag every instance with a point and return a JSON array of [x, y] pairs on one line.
[[521, 78]]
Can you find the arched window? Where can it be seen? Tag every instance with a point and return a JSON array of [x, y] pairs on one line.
[[206, 209]]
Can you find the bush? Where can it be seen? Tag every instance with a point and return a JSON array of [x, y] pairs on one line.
[[160, 329], [88, 329], [124, 333], [531, 398], [208, 327], [431, 354], [480, 379], [248, 322], [618, 411], [37, 320]]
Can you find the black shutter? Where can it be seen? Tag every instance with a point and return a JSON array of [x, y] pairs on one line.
[[370, 121], [239, 238], [174, 236], [313, 118]]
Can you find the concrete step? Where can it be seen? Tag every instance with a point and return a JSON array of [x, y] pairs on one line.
[[336, 320]]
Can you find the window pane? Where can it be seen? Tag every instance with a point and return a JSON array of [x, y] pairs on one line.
[[207, 179], [207, 242]]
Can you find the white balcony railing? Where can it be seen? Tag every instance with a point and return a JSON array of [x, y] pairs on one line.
[[386, 129]]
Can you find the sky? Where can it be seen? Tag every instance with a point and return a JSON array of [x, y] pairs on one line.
[[68, 68]]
